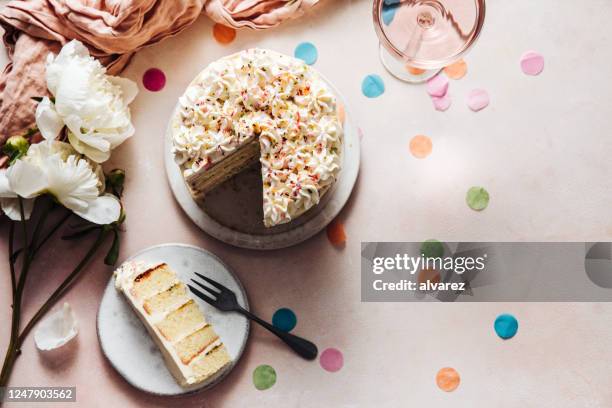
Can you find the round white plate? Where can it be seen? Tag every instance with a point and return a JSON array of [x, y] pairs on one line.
[[128, 346], [233, 212]]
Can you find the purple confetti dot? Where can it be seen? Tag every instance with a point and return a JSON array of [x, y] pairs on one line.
[[154, 79]]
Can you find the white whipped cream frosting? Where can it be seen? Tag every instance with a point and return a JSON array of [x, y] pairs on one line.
[[279, 100]]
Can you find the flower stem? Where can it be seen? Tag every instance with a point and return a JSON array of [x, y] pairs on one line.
[[11, 263]]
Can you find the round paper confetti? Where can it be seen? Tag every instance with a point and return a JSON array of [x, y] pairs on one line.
[[478, 99], [372, 86], [420, 146], [388, 11], [284, 319], [224, 34], [437, 86], [532, 63], [331, 360], [477, 198], [506, 326], [336, 233], [428, 275], [432, 248], [264, 377], [441, 103], [154, 80], [307, 52], [456, 70], [448, 379], [414, 70]]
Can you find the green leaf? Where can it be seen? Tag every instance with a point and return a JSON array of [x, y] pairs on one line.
[[113, 252]]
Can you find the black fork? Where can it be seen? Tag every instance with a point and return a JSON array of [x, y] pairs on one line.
[[225, 300]]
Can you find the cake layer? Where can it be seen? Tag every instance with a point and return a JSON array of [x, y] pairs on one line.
[[167, 300], [182, 321], [194, 344], [153, 281], [211, 363]]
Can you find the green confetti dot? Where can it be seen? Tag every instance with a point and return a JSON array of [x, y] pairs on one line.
[[264, 377], [432, 248], [477, 198]]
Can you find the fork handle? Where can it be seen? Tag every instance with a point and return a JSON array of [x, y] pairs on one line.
[[306, 349]]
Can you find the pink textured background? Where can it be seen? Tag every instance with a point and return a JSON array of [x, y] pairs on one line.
[[542, 150]]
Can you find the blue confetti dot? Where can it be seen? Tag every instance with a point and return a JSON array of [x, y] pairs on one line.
[[506, 326], [307, 52], [284, 319], [373, 86], [388, 12]]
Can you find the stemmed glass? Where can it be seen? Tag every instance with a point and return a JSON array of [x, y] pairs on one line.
[[420, 37]]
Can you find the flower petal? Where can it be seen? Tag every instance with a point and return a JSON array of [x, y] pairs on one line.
[[56, 330], [26, 179], [105, 209], [128, 88], [5, 189], [47, 119], [96, 155], [10, 206]]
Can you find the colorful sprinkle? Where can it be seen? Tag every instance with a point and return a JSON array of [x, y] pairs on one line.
[[264, 377], [154, 80], [456, 70], [414, 71], [437, 86], [373, 86], [441, 103], [307, 52], [284, 319], [532, 63], [506, 326], [478, 99], [331, 360], [336, 233], [420, 146], [477, 198], [432, 248], [448, 379], [224, 34]]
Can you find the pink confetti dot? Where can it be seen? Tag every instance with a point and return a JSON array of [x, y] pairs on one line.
[[154, 79], [478, 99], [437, 86], [441, 103], [532, 63], [331, 360]]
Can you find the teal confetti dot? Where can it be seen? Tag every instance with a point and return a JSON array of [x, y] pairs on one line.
[[264, 377], [373, 86], [307, 52], [506, 326], [284, 319], [432, 248]]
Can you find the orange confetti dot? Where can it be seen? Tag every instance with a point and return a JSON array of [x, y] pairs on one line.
[[420, 146], [336, 233], [428, 275], [448, 379], [341, 112], [414, 70], [456, 70], [224, 34]]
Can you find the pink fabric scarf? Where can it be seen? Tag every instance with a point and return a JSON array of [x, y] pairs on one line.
[[113, 30]]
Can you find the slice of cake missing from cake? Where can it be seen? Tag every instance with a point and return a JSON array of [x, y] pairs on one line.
[[193, 352]]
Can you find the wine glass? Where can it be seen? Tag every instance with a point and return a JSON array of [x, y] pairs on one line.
[[420, 37]]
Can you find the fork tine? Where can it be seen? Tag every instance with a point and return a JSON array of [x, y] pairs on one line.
[[201, 295], [212, 282]]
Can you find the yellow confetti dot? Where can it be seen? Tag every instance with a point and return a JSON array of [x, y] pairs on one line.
[[448, 379], [223, 34], [456, 70], [420, 146]]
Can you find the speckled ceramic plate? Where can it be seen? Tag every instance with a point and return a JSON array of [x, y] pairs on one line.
[[129, 348], [233, 212]]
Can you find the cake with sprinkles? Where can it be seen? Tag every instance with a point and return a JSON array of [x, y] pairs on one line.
[[192, 350], [260, 106]]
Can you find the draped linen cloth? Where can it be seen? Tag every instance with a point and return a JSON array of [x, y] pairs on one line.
[[113, 30]]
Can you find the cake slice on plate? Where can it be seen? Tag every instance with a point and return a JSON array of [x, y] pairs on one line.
[[193, 352]]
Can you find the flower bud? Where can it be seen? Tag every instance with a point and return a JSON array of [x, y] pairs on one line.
[[16, 147], [115, 180]]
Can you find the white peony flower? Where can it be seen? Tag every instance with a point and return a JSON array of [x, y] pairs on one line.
[[53, 167], [92, 105], [9, 201]]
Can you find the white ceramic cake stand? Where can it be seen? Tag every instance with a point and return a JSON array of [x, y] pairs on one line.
[[130, 349], [233, 213]]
